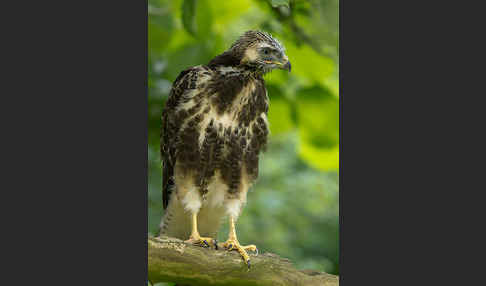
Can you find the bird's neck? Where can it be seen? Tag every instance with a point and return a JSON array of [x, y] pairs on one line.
[[229, 60], [226, 59]]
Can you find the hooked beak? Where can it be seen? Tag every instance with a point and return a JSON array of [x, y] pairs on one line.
[[280, 65], [287, 66]]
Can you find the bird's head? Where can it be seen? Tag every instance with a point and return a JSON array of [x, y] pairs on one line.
[[259, 50]]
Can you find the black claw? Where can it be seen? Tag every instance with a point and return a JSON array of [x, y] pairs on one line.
[[216, 244], [205, 242], [248, 263]]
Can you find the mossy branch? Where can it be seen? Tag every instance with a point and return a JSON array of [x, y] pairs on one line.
[[172, 260]]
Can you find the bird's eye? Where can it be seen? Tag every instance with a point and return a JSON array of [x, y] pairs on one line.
[[266, 51]]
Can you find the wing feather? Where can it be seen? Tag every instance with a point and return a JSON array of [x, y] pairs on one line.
[[172, 118]]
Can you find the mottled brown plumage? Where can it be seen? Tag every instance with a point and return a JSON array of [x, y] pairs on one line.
[[214, 126]]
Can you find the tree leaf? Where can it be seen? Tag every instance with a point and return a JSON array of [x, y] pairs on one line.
[[318, 112], [308, 65], [204, 20], [197, 18], [276, 3], [188, 16]]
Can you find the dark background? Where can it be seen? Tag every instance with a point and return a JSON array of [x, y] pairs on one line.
[[74, 143]]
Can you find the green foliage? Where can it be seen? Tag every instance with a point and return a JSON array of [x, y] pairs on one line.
[[196, 17], [276, 3], [293, 208], [188, 13]]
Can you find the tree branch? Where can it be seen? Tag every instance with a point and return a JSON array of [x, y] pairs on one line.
[[172, 260]]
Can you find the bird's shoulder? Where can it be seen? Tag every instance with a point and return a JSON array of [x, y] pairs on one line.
[[187, 84]]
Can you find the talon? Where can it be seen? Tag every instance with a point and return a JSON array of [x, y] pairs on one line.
[[216, 244], [233, 244], [200, 241]]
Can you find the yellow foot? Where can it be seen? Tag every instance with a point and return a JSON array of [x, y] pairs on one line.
[[233, 244], [203, 241]]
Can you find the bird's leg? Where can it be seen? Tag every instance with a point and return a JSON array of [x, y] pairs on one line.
[[197, 239], [233, 244]]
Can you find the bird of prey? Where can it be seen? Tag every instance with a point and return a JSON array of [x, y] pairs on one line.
[[214, 126]]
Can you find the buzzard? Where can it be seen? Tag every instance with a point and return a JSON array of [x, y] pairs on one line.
[[214, 126]]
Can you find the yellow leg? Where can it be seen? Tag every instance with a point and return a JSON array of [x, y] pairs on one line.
[[197, 239], [233, 244]]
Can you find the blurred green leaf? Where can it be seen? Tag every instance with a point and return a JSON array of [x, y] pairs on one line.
[[325, 159], [204, 20], [279, 116], [308, 65], [159, 33], [318, 112], [188, 16], [196, 17], [276, 3], [227, 12], [185, 57]]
